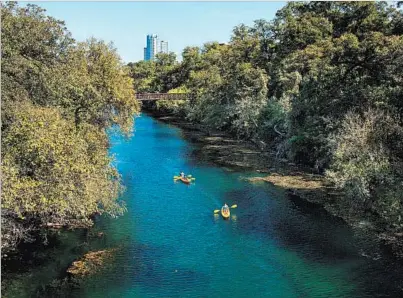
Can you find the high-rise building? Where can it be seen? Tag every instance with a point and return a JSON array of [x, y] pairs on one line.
[[164, 47], [154, 46], [151, 49]]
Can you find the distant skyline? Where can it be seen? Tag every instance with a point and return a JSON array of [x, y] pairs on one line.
[[154, 45], [127, 24]]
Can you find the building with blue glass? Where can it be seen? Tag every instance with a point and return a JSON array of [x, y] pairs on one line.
[[154, 46]]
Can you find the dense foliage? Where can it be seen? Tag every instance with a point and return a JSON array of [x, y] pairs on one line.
[[321, 84], [58, 99]]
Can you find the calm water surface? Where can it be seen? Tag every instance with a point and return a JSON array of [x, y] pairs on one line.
[[170, 244]]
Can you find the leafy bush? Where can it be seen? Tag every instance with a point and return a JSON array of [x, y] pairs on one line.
[[363, 165]]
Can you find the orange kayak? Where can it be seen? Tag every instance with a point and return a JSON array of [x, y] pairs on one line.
[[225, 212], [184, 180]]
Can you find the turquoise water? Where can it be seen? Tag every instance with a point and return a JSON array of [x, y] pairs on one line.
[[170, 244]]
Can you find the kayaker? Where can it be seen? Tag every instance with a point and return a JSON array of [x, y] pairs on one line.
[[182, 175]]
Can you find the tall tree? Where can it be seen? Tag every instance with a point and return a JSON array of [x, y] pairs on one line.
[[59, 98]]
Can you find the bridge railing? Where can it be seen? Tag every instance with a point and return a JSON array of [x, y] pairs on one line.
[[162, 96]]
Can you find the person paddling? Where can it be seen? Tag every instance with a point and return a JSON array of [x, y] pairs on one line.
[[182, 175]]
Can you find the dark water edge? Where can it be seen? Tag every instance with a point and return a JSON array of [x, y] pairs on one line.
[[53, 257], [67, 246]]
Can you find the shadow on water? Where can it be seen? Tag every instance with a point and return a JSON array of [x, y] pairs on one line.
[[293, 224], [29, 273], [145, 266], [317, 237]]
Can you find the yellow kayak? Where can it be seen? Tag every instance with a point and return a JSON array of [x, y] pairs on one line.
[[225, 212]]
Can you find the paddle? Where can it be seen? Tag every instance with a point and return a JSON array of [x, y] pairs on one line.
[[178, 177], [188, 177]]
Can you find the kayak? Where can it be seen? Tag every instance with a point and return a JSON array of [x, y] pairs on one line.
[[184, 180], [225, 212]]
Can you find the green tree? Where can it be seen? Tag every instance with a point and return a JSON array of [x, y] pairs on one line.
[[27, 60], [303, 80], [143, 74], [53, 173], [59, 98], [364, 166], [98, 88]]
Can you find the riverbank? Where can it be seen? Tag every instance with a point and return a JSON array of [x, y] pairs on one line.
[[221, 148]]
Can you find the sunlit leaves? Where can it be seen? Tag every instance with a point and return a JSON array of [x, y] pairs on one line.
[[58, 99], [51, 168]]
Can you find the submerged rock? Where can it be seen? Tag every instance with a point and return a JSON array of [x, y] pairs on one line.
[[90, 262], [298, 181]]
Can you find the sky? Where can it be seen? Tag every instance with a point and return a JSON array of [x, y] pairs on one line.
[[182, 24]]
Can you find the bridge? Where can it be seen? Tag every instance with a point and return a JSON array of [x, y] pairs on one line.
[[162, 96]]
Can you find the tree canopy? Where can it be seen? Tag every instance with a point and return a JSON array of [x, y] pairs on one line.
[[58, 99], [300, 83]]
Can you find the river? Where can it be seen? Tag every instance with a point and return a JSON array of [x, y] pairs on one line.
[[170, 243]]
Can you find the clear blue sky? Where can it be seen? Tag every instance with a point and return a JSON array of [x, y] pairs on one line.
[[126, 24]]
